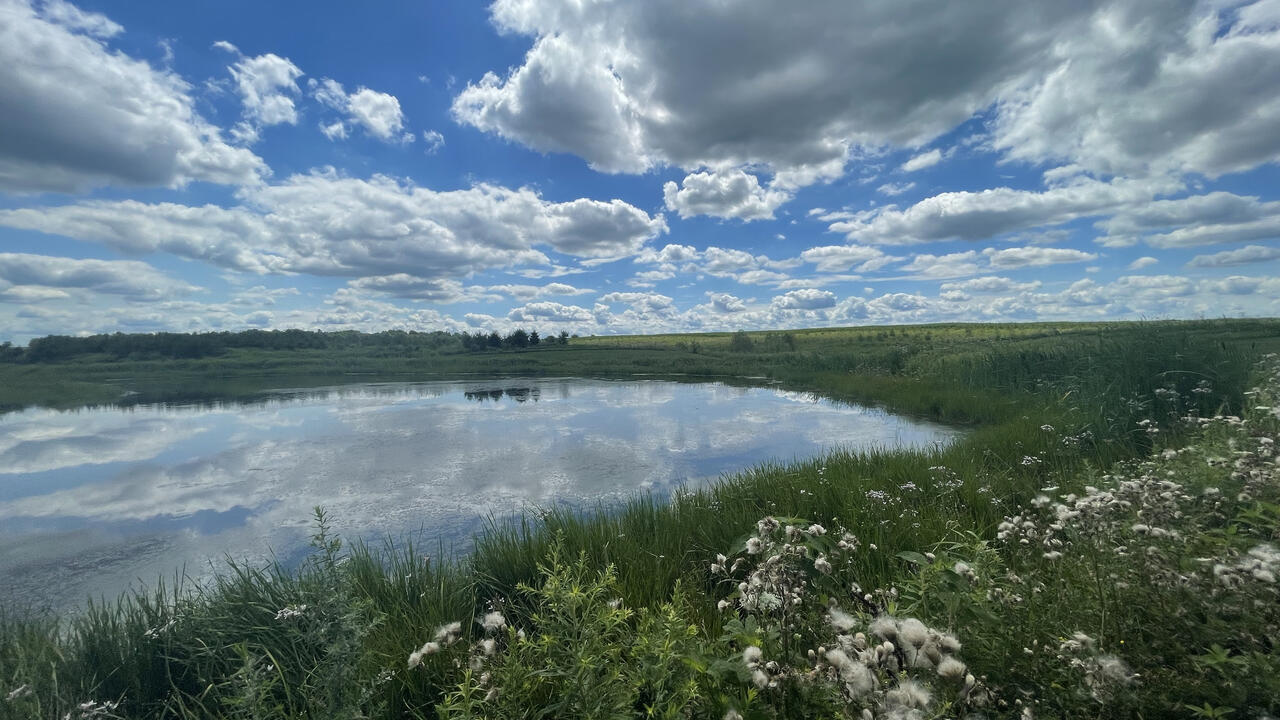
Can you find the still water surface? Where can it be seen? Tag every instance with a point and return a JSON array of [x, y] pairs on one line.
[[95, 499]]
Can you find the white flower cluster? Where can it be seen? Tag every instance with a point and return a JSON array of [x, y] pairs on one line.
[[884, 667], [446, 635], [1104, 674], [1101, 517], [156, 632], [291, 612], [493, 623], [780, 580], [1260, 564], [93, 710], [888, 666]]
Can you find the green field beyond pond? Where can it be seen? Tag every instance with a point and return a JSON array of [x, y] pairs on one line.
[[1103, 542]]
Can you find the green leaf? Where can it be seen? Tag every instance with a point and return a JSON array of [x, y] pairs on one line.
[[913, 557]]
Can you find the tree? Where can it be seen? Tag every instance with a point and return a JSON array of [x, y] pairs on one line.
[[564, 337], [533, 338], [518, 338]]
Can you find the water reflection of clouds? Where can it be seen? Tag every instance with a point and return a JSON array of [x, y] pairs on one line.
[[185, 485], [46, 441]]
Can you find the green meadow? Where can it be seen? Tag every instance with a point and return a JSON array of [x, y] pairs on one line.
[[1101, 542]]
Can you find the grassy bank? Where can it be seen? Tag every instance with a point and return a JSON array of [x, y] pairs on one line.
[[620, 612]]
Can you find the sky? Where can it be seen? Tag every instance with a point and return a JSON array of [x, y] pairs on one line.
[[610, 167]]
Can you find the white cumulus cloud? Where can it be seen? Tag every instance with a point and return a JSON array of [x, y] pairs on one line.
[[725, 194], [78, 114], [327, 224]]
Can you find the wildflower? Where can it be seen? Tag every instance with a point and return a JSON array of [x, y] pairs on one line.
[[21, 691], [914, 632], [951, 669], [491, 695], [769, 601], [760, 679], [752, 656], [415, 657], [754, 546], [1105, 674], [732, 715], [290, 612], [488, 647], [885, 626], [822, 565], [908, 694], [448, 633], [1052, 555], [816, 529], [155, 632], [858, 678], [94, 709], [841, 621], [1078, 641], [949, 643], [493, 621], [723, 605]]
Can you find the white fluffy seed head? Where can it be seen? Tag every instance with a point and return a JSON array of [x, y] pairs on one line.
[[908, 694], [949, 643], [839, 660], [885, 627], [859, 680], [951, 669], [913, 632], [448, 633], [842, 622], [415, 657]]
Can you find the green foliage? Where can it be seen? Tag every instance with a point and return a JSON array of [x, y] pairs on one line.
[[588, 655]]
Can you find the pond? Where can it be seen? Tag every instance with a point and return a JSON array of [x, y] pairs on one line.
[[96, 499]]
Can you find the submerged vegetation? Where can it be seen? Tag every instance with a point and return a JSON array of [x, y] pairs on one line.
[[1105, 542]]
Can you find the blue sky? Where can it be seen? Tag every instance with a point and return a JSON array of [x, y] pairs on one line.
[[618, 167]]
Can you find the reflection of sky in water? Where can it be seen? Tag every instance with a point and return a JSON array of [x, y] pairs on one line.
[[93, 499]]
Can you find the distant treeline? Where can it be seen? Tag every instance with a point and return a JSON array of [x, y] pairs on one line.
[[54, 348]]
